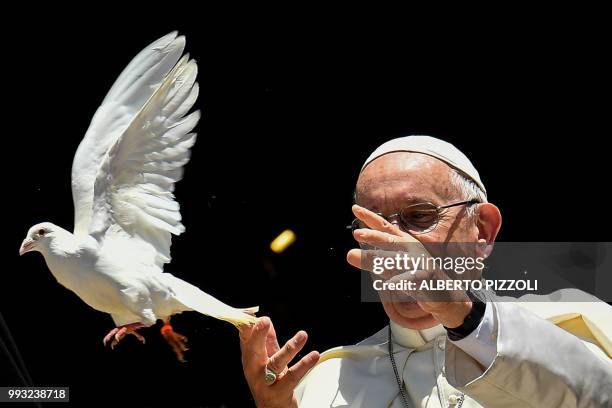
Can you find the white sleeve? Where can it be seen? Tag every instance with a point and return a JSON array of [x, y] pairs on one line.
[[481, 344]]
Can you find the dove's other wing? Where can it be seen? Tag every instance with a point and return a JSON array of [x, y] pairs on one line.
[[133, 189], [124, 101]]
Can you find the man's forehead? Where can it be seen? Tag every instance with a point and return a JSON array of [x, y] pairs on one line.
[[406, 177]]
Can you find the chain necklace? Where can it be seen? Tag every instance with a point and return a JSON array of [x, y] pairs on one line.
[[400, 382]]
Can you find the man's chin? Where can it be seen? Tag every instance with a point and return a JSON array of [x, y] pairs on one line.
[[409, 315]]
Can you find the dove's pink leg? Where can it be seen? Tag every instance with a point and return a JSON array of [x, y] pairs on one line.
[[175, 340], [120, 332]]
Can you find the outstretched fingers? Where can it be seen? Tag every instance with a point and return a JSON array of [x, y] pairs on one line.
[[279, 361], [376, 222], [294, 374]]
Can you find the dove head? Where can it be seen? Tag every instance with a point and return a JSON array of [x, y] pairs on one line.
[[40, 237]]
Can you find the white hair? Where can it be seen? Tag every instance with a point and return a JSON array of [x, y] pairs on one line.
[[467, 189]]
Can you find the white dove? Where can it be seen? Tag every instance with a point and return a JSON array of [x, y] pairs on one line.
[[123, 176]]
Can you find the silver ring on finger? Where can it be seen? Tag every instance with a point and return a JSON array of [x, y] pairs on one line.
[[270, 376]]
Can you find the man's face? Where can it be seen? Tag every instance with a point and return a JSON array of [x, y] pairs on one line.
[[396, 180]]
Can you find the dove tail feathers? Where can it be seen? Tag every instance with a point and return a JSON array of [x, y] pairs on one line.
[[195, 299]]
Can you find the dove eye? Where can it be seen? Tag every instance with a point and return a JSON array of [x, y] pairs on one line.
[[41, 232]]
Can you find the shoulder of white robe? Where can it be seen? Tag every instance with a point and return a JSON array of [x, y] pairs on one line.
[[576, 312]]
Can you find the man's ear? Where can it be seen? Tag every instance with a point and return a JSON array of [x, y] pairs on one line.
[[488, 223]]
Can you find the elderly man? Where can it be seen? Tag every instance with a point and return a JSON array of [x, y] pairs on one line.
[[468, 352]]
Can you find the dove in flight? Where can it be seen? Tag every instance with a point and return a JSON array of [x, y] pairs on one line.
[[123, 175]]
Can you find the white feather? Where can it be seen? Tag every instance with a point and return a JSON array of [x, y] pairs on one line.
[[123, 176], [123, 102]]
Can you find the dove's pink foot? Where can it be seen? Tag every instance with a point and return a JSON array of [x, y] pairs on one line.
[[175, 340], [120, 332]]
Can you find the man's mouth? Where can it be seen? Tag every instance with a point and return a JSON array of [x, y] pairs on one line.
[[410, 310]]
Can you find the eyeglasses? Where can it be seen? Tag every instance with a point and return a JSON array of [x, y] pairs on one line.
[[416, 219]]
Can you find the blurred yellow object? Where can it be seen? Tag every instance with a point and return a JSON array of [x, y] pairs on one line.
[[282, 242]]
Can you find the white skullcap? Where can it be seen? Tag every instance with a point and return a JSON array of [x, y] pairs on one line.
[[430, 146]]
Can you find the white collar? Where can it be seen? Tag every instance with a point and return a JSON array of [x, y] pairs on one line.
[[411, 338]]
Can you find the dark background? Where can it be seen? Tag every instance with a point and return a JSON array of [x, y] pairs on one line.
[[291, 109]]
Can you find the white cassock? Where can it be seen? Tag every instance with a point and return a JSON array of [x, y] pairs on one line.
[[530, 353], [523, 354]]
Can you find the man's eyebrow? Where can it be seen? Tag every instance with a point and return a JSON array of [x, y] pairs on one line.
[[408, 197], [415, 199], [406, 201]]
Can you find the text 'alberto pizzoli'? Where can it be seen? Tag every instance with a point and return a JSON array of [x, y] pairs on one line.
[[457, 284]]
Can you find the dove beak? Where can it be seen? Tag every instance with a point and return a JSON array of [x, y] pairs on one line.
[[26, 246]]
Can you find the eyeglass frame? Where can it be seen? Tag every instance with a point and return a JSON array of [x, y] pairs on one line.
[[397, 215]]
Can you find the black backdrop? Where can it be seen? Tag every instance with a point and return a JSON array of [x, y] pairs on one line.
[[290, 111]]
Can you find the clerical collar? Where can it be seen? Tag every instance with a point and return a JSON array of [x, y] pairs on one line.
[[411, 338]]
